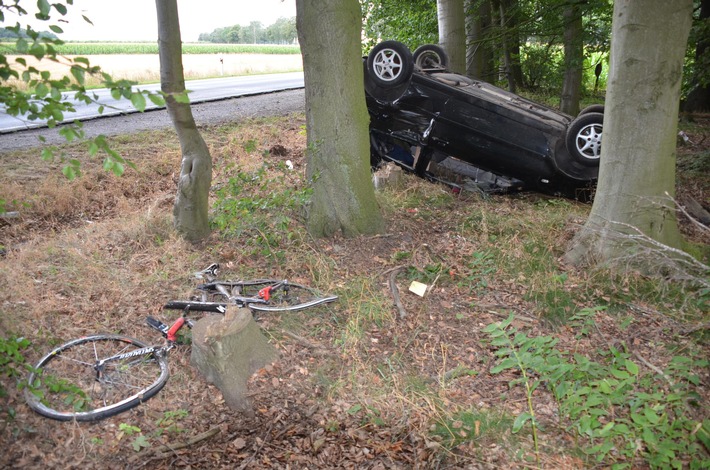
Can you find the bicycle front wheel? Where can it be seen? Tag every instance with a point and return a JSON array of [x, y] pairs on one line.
[[95, 377], [296, 297]]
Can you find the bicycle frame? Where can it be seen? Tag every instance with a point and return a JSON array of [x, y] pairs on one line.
[[169, 333], [131, 371]]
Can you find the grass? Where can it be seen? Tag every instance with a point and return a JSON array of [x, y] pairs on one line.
[[100, 253]]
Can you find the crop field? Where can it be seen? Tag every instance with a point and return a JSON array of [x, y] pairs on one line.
[[145, 68], [138, 61], [121, 48]]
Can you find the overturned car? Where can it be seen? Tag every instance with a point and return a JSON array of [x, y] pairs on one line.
[[436, 123]]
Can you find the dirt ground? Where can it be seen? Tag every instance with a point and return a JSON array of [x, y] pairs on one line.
[[358, 383]]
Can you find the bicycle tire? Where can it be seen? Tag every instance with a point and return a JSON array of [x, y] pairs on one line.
[[298, 297], [65, 384]]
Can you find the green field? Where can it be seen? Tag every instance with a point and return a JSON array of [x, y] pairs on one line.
[[116, 48]]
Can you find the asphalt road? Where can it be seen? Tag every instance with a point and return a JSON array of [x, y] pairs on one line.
[[200, 92], [212, 112]]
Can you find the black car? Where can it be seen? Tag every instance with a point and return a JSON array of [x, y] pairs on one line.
[[423, 117]]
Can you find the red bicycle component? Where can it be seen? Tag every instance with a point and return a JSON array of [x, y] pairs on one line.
[[172, 332], [265, 293]]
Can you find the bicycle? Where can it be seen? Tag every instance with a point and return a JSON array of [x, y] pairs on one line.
[[102, 375], [261, 295]]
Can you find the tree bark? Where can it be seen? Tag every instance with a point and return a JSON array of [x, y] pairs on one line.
[[338, 153], [574, 58], [227, 349], [452, 33], [479, 54], [191, 207], [510, 42], [639, 152]]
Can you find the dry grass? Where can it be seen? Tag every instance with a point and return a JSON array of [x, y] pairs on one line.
[[99, 254]]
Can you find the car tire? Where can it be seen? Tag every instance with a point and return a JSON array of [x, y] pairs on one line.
[[595, 108], [390, 64], [431, 56], [584, 138]]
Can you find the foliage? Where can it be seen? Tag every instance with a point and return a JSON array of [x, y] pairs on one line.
[[281, 32], [479, 426], [140, 441], [12, 362], [60, 389], [250, 203], [46, 101], [169, 421], [539, 28], [479, 268], [413, 23], [697, 58], [622, 413], [543, 66]]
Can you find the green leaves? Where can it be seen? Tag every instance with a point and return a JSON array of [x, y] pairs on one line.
[[611, 402], [44, 8], [138, 101], [72, 169], [520, 421], [156, 99], [46, 98], [79, 74], [140, 442]]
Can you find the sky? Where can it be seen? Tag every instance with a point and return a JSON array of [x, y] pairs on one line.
[[135, 20]]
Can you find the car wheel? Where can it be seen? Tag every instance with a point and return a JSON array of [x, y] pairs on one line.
[[595, 108], [390, 64], [584, 138], [430, 56]]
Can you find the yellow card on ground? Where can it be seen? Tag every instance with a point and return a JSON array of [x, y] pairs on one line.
[[418, 288]]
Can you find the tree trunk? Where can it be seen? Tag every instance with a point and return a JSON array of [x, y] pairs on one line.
[[192, 201], [452, 33], [574, 59], [639, 152], [479, 54], [510, 42], [516, 69], [338, 153], [227, 350]]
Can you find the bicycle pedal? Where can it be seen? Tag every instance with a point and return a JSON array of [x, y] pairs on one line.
[[157, 324]]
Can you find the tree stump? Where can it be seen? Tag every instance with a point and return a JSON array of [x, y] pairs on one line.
[[227, 350]]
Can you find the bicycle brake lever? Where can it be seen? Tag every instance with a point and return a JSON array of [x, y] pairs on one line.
[[158, 325]]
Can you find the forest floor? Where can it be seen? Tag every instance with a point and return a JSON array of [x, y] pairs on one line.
[[358, 383]]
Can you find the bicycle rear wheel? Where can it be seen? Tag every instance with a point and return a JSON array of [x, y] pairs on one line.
[[296, 297], [67, 384]]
